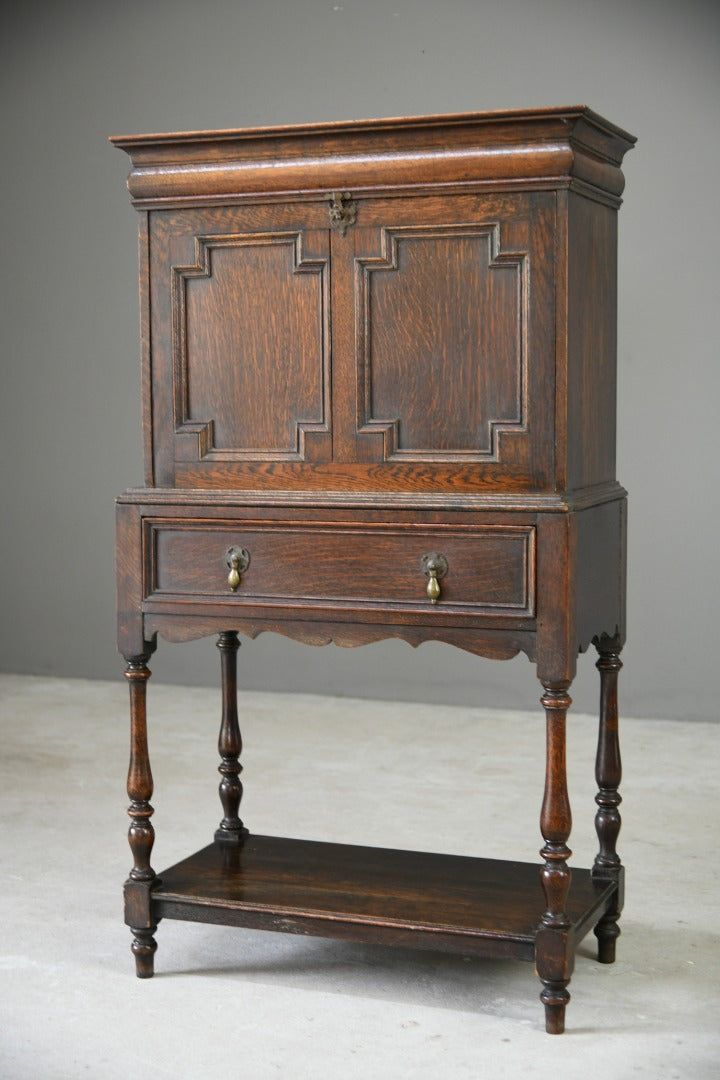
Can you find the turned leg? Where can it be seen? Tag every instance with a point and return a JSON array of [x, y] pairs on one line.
[[144, 947], [553, 954], [141, 834], [608, 772], [231, 829]]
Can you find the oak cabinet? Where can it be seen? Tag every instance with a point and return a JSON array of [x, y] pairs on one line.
[[379, 400]]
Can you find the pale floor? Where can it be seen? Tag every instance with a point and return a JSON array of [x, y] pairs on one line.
[[233, 1003]]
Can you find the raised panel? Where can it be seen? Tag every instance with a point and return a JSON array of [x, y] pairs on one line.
[[442, 342], [251, 350]]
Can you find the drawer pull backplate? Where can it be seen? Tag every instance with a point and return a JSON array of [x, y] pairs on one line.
[[434, 567], [238, 559]]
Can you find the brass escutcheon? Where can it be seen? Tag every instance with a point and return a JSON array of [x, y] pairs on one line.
[[435, 567], [238, 559], [343, 211]]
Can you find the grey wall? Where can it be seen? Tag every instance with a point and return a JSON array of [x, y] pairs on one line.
[[74, 73]]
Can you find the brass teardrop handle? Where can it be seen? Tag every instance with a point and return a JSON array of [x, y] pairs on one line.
[[434, 567], [238, 559]]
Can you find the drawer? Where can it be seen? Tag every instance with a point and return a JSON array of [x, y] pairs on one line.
[[319, 564]]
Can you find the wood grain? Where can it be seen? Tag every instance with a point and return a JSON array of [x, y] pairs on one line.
[[250, 321], [445, 362], [501, 148], [490, 567], [473, 906]]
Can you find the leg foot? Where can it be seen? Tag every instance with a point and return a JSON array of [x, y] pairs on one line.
[[555, 997], [607, 932], [144, 946]]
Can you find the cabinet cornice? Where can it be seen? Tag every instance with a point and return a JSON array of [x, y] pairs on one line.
[[552, 146]]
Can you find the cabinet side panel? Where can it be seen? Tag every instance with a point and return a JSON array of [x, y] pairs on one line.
[[129, 582], [601, 570], [592, 333], [556, 604], [159, 383], [146, 350]]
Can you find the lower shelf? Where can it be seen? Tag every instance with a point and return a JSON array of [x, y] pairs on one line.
[[479, 907]]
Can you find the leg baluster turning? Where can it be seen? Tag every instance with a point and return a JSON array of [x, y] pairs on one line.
[[231, 829], [144, 947], [141, 834], [608, 771], [553, 955]]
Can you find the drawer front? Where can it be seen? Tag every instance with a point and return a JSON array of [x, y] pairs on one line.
[[489, 568]]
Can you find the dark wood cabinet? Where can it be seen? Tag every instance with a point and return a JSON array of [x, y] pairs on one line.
[[379, 400]]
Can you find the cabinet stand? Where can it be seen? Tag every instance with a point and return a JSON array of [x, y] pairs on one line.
[[476, 907]]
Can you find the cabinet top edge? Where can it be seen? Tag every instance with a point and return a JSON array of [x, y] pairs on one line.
[[563, 113], [505, 148]]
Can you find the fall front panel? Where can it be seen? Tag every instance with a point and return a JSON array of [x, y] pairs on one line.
[[436, 367]]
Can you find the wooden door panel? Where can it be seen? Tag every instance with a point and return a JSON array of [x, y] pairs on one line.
[[442, 344], [451, 365], [250, 334], [241, 343]]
